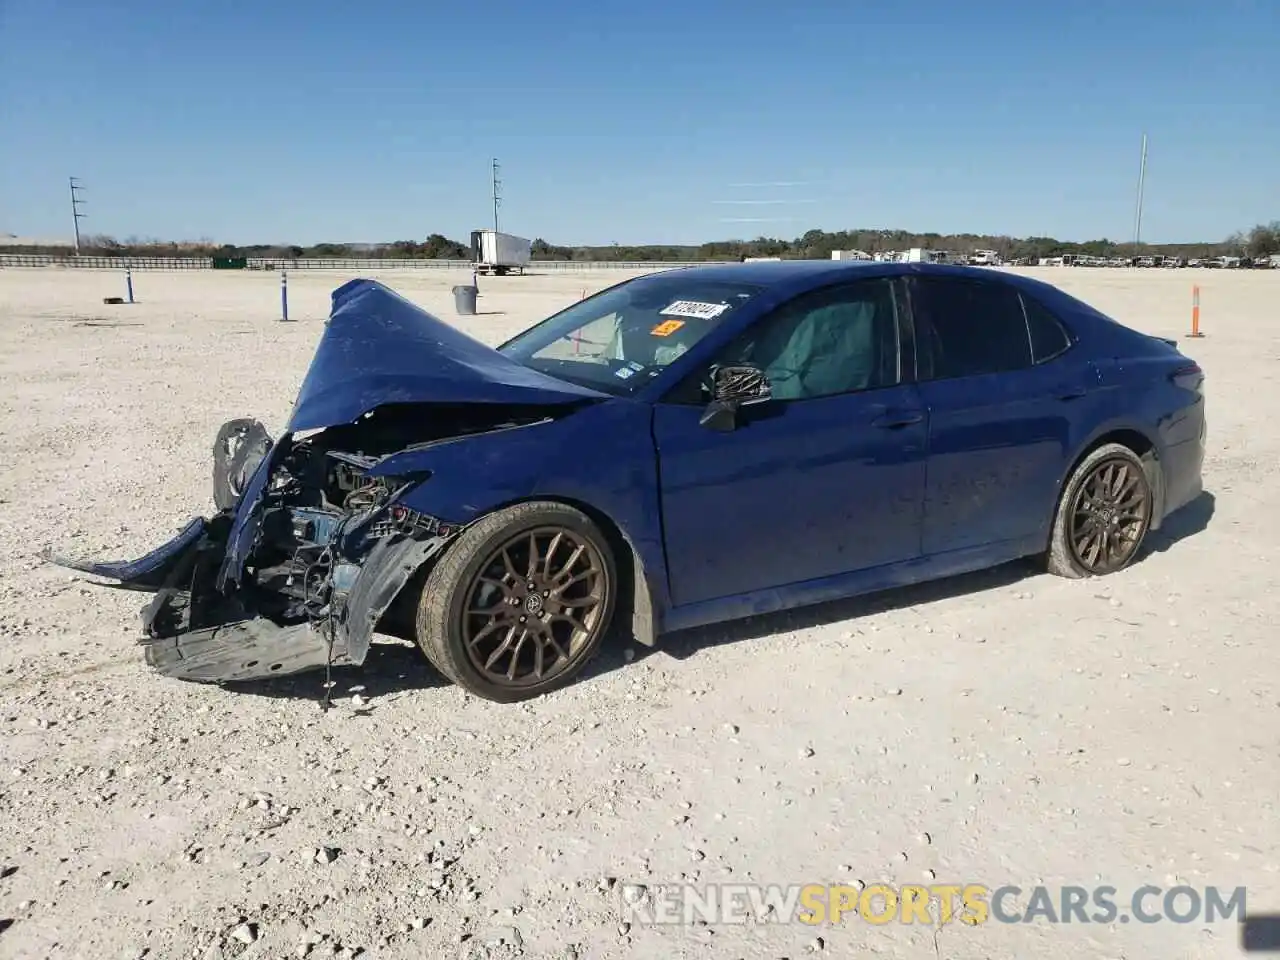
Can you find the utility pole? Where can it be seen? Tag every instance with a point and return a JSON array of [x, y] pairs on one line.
[[497, 197], [1142, 178], [76, 215]]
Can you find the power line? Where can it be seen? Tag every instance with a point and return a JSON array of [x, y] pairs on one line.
[[76, 203]]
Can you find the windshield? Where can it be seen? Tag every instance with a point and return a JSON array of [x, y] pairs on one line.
[[620, 339]]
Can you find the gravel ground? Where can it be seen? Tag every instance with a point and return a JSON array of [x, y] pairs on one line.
[[1006, 727]]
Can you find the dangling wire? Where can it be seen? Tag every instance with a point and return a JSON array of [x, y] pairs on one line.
[[325, 558]]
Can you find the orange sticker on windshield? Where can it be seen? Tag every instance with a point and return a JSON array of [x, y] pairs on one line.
[[666, 328]]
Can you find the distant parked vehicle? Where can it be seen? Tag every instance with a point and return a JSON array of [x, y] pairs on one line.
[[499, 253]]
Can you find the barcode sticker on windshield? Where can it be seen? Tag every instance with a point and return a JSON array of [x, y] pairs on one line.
[[694, 308]]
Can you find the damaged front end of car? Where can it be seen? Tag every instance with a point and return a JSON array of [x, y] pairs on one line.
[[295, 574], [312, 542]]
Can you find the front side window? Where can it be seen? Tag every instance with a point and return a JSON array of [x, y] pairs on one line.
[[833, 341], [973, 328], [620, 339]]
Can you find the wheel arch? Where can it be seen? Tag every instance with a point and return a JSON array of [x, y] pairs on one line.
[[1143, 446], [635, 597]]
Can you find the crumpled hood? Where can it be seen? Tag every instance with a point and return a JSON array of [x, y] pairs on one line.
[[379, 348]]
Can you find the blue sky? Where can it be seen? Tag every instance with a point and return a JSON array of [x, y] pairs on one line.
[[616, 121]]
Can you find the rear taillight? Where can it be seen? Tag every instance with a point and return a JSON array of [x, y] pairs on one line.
[[1189, 376]]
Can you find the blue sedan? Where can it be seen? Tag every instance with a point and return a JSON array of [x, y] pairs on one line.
[[683, 448]]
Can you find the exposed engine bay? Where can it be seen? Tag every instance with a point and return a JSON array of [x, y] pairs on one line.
[[321, 515], [332, 547]]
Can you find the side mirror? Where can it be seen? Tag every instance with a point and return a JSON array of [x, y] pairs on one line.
[[732, 387]]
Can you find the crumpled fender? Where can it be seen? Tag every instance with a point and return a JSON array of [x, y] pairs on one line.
[[475, 475]]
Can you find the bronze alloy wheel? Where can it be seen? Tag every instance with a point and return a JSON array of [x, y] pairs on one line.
[[1109, 515], [536, 606]]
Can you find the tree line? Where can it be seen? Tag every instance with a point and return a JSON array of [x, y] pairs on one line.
[[1263, 240]]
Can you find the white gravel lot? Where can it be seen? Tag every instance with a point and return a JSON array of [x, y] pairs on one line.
[[1006, 727]]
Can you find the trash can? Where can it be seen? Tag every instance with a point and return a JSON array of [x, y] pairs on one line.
[[464, 299]]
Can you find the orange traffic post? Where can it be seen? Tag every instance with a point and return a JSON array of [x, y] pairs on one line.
[[1195, 312]]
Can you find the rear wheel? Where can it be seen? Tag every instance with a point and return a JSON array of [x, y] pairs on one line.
[[1103, 515], [519, 603]]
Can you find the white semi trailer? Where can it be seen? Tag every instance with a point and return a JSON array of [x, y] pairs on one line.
[[499, 253]]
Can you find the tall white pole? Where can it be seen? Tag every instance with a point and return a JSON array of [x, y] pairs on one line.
[[1142, 177], [497, 197]]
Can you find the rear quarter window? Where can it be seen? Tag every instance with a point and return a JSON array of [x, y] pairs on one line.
[[1049, 338]]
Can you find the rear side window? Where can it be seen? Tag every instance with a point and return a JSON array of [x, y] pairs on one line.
[[972, 328], [1049, 338]]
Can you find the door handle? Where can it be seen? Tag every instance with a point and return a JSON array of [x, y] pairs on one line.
[[896, 420]]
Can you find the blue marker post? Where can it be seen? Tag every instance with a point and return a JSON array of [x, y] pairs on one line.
[[284, 294], [128, 281]]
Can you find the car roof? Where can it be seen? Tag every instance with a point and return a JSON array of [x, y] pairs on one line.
[[796, 276], [771, 273]]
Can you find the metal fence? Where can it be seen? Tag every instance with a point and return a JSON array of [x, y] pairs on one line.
[[106, 263], [350, 264]]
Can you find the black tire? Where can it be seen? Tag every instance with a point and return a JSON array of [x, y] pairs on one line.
[[1077, 514], [446, 620]]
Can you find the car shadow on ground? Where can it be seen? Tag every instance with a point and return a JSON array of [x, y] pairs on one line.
[[391, 667], [397, 666], [683, 644], [1186, 522]]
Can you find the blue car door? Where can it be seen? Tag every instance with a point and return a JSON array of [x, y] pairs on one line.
[[825, 478], [1000, 415]]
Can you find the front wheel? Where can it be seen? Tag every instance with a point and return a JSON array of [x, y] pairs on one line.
[[518, 605], [1103, 515]]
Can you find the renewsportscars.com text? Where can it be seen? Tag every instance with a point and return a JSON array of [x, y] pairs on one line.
[[970, 904]]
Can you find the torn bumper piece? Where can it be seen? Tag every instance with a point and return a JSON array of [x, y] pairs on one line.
[[193, 631], [146, 573], [245, 650]]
